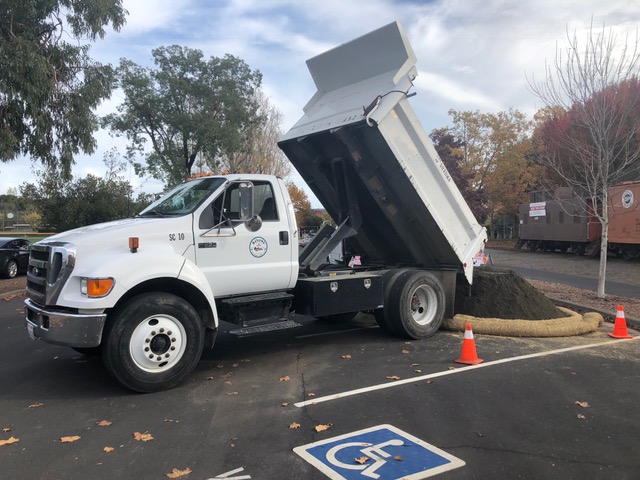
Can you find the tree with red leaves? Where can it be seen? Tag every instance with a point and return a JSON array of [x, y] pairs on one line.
[[591, 134]]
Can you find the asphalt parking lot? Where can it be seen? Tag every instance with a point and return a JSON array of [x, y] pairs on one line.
[[536, 408]]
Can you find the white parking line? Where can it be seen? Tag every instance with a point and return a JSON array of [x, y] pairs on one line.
[[397, 383]]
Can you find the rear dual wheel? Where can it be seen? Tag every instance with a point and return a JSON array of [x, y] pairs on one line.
[[382, 314], [414, 304]]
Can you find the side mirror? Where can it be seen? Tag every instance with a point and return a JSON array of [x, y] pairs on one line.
[[246, 201], [254, 224]]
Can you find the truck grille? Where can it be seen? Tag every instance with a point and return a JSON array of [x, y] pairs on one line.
[[50, 265]]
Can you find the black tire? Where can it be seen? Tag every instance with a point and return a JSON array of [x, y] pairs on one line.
[[416, 305], [152, 342], [382, 318], [339, 317], [10, 269]]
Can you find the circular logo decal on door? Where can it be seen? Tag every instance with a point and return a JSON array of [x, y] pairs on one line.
[[258, 247]]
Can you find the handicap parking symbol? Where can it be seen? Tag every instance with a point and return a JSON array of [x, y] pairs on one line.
[[379, 453]]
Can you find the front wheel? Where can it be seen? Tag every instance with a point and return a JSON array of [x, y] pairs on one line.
[[416, 305], [152, 342]]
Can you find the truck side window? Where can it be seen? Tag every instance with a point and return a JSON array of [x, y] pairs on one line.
[[265, 206], [264, 202]]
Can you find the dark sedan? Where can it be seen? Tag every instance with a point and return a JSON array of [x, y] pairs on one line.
[[14, 256]]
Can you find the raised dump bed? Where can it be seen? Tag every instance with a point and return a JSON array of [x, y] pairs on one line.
[[363, 152]]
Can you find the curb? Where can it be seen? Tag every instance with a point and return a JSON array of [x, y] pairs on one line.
[[20, 292], [608, 316]]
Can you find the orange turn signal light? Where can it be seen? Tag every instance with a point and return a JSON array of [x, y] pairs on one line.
[[97, 287]]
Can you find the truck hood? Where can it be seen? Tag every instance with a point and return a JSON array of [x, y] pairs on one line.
[[110, 239], [103, 230]]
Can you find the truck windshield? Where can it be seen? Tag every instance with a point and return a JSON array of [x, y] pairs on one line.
[[183, 199]]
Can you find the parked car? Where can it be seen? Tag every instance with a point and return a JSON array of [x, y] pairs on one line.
[[14, 256]]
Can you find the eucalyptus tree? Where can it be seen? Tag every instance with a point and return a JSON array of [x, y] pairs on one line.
[[49, 85]]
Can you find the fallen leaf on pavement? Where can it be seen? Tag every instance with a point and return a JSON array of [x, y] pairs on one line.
[[346, 356], [294, 425], [393, 377], [311, 394], [231, 393], [175, 473], [36, 405], [9, 441], [103, 423], [398, 458], [284, 404], [405, 351], [108, 449], [583, 404], [70, 439], [322, 428], [581, 416], [362, 460], [6, 430], [145, 437], [285, 378]]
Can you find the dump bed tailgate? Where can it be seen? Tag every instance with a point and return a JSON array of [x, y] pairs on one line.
[[362, 150]]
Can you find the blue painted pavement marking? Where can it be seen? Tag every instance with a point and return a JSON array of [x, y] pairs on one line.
[[380, 453]]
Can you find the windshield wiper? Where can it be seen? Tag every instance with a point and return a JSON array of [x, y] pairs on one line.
[[151, 213]]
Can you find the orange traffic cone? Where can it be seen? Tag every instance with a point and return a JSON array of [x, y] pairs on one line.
[[620, 327], [469, 355]]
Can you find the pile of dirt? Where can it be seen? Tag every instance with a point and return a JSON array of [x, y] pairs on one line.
[[503, 294]]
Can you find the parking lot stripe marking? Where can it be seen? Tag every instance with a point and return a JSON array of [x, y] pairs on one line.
[[398, 383]]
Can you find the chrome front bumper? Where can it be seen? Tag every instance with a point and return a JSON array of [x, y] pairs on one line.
[[63, 328]]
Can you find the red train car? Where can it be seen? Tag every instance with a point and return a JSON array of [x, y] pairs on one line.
[[624, 226]]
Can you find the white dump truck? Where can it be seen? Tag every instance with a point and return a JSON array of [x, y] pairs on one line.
[[148, 293]]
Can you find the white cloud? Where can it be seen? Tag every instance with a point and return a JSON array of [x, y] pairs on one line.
[[458, 95], [147, 15]]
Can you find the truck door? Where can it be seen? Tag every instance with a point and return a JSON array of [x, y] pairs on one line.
[[237, 260]]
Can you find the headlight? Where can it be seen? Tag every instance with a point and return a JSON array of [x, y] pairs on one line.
[[96, 287]]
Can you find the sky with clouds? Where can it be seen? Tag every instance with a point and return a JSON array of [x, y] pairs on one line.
[[472, 54]]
